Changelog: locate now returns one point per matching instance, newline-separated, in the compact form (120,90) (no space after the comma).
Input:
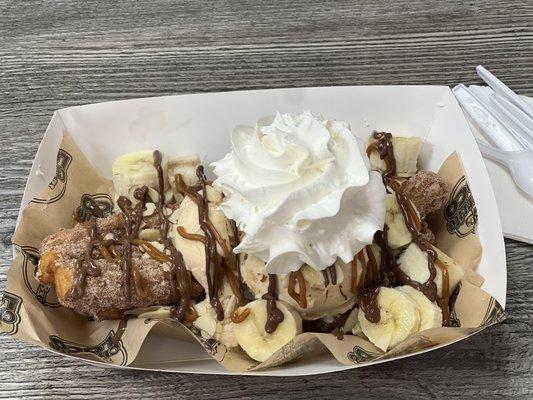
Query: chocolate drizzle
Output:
(301,296)
(414,225)
(274,314)
(85,266)
(180,279)
(369,304)
(216,266)
(443,300)
(368,285)
(211,255)
(120,249)
(330,275)
(133,221)
(338,324)
(390,272)
(383,145)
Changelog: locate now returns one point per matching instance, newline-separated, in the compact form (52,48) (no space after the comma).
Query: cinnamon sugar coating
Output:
(104,295)
(426,190)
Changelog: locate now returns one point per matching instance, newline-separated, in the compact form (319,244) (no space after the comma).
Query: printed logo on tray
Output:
(44,294)
(104,202)
(213,346)
(360,355)
(10,313)
(58,186)
(494,313)
(109,350)
(460,210)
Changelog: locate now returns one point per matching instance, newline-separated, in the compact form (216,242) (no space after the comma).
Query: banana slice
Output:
(253,338)
(400,317)
(414,262)
(406,151)
(430,312)
(186,167)
(455,272)
(193,251)
(133,170)
(398,235)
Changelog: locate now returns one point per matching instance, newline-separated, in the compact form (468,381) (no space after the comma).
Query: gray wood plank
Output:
(55,54)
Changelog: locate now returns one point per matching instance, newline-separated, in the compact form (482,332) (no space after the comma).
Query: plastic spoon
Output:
(519,163)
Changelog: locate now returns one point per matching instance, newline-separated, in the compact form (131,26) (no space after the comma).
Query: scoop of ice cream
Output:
(427,191)
(322,300)
(299,189)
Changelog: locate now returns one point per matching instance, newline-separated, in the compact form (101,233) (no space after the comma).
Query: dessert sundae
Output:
(302,230)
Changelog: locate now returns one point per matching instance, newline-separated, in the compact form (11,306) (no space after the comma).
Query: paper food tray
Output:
(201,123)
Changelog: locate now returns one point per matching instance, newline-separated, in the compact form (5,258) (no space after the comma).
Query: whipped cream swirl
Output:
(300,190)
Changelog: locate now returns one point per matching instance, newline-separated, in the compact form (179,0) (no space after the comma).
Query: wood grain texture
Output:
(55,54)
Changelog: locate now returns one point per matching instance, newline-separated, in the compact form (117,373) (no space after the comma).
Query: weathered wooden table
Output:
(58,54)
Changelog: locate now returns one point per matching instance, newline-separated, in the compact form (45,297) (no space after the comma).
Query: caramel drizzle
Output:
(274,314)
(189,236)
(190,314)
(142,289)
(300,297)
(151,250)
(237,317)
(233,281)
